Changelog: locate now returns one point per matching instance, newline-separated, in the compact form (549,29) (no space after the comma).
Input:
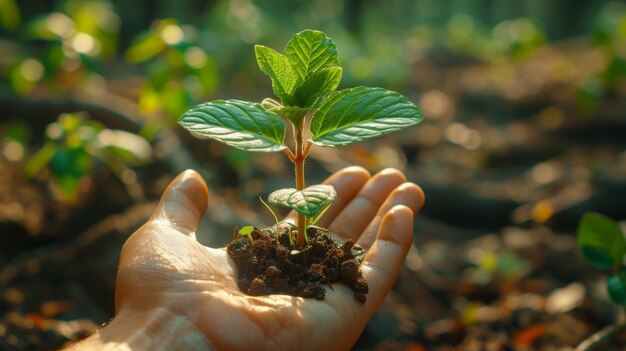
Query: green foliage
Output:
(352,115)
(74,142)
(306,72)
(9,15)
(240,124)
(307,202)
(304,78)
(601,241)
(179,70)
(73,40)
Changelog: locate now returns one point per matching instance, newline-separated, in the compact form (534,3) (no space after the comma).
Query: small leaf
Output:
(316,86)
(306,202)
(310,51)
(319,216)
(145,47)
(293,113)
(277,67)
(240,124)
(247,230)
(601,241)
(616,285)
(352,115)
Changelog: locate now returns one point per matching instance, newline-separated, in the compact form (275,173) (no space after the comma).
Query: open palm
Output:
(163,267)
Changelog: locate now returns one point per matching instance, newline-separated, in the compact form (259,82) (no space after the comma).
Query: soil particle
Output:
(268,263)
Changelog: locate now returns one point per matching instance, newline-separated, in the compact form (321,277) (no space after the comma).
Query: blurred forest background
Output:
(524,131)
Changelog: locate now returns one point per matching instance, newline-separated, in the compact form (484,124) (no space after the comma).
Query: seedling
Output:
(602,243)
(304,79)
(72,145)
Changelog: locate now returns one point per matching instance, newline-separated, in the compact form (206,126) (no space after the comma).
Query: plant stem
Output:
(595,341)
(299,161)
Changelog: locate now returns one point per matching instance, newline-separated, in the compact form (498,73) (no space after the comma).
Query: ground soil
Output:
(270,264)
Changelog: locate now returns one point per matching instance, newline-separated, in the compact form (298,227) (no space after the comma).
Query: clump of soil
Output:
(269,264)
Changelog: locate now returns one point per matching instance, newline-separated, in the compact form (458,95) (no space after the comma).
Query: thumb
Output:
(183,203)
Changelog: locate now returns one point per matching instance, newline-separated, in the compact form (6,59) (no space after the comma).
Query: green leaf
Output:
(316,86)
(240,124)
(601,241)
(40,159)
(293,113)
(277,67)
(247,230)
(306,202)
(616,285)
(319,216)
(145,47)
(352,115)
(127,146)
(310,51)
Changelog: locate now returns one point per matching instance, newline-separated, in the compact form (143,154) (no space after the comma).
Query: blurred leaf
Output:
(306,202)
(39,160)
(144,48)
(129,147)
(316,86)
(352,115)
(277,67)
(616,285)
(601,241)
(310,51)
(240,124)
(9,15)
(72,163)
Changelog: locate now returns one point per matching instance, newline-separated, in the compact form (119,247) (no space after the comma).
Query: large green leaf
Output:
(306,202)
(352,115)
(316,86)
(616,285)
(240,124)
(277,67)
(601,241)
(310,51)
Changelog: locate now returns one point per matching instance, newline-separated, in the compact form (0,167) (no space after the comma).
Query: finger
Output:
(347,183)
(384,259)
(183,203)
(408,194)
(353,219)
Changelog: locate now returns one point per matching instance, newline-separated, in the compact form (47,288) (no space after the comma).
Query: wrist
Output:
(158,329)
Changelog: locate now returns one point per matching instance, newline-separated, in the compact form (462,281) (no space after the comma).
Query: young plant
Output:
(304,79)
(72,145)
(602,243)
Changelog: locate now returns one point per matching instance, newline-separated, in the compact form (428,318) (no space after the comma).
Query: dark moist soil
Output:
(269,264)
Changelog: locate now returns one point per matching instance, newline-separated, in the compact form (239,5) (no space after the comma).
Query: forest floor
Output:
(508,160)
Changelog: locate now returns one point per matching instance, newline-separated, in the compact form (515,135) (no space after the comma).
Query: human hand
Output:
(172,292)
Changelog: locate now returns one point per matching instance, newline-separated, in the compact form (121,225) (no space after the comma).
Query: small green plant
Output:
(304,78)
(72,145)
(602,243)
